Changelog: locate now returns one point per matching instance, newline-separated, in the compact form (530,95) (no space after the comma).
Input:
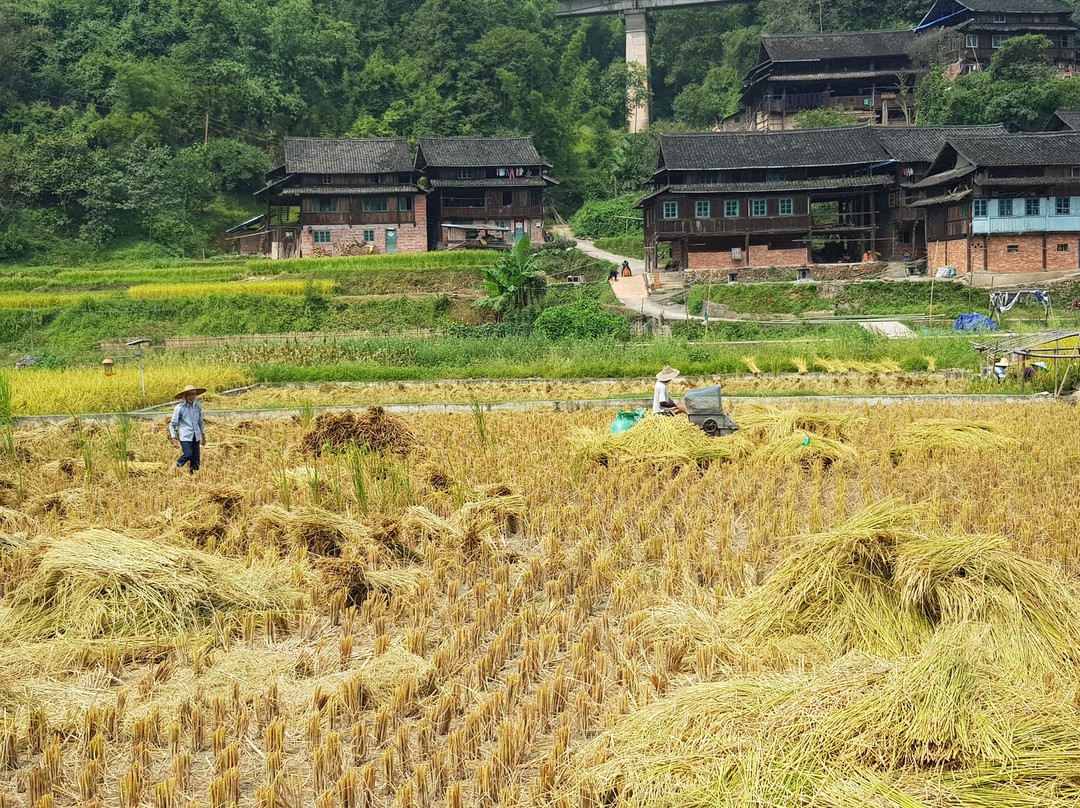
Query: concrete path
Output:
(888,328)
(656,306)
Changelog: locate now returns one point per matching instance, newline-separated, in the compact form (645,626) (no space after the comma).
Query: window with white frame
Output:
(320,236)
(731,208)
(785,207)
(671,210)
(999,16)
(1032,207)
(996,40)
(1005,207)
(971,41)
(702,209)
(464,173)
(758,207)
(1063,205)
(979,208)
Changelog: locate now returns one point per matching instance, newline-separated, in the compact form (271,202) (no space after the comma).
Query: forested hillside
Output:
(154,120)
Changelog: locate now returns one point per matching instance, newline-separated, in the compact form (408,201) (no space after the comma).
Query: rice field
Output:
(159,291)
(843,606)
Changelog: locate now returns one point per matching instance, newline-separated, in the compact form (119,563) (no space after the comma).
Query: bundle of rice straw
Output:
(767,420)
(375,428)
(61,503)
(99,583)
(320,532)
(805,449)
(930,435)
(940,729)
(838,587)
(357,580)
(659,439)
(381,674)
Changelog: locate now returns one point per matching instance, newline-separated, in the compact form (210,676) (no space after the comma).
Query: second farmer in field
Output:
(186,427)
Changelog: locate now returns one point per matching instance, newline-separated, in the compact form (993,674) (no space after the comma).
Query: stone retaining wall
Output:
(818,272)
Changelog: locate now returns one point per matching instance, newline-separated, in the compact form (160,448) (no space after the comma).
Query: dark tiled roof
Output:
(840,75)
(921,144)
(1017,6)
(1027,182)
(824,183)
(943,177)
(1065,119)
(475,152)
(838,146)
(339,190)
(493,182)
(316,155)
(852,45)
(939,200)
(1031,149)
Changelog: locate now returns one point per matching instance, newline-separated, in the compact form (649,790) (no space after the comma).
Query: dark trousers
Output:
(190,455)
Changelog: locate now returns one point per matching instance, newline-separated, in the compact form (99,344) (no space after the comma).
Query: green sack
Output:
(624,420)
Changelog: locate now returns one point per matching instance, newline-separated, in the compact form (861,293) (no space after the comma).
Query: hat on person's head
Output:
(667,374)
(189,389)
(1003,362)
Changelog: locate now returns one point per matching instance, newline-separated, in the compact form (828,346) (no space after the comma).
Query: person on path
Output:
(186,428)
(626,273)
(613,275)
(661,401)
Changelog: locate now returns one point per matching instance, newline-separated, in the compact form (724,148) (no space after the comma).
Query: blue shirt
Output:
(187,421)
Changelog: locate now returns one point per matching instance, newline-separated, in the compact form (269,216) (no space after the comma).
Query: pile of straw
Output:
(357,580)
(927,436)
(381,674)
(103,584)
(62,503)
(375,428)
(804,449)
(768,421)
(317,531)
(658,439)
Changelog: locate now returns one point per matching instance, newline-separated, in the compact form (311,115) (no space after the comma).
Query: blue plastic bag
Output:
(624,420)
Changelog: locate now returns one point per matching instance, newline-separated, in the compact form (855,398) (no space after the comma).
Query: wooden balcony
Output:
(359,218)
(669,228)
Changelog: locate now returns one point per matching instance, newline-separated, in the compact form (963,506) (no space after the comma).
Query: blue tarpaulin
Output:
(974,322)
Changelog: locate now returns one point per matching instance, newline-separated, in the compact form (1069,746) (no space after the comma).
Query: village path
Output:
(630,291)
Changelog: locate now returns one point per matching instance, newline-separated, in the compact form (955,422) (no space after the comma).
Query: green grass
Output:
(866,298)
(630,246)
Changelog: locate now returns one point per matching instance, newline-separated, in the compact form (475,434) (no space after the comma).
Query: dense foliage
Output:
(147,122)
(585,319)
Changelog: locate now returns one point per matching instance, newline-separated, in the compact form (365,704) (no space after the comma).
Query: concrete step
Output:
(671,280)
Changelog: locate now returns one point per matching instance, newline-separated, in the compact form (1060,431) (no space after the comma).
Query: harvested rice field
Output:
(837,606)
(463,392)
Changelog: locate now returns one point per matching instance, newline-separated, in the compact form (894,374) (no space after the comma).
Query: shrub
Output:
(585,319)
(606,218)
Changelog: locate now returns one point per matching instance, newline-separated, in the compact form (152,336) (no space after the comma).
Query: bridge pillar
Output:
(637,52)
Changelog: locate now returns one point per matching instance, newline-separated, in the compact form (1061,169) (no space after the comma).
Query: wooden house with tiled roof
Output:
(983,25)
(1008,203)
(726,201)
(1064,120)
(483,190)
(344,196)
(867,72)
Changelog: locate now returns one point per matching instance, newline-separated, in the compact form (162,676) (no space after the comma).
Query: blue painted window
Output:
(323,205)
(376,204)
(1032,207)
(1063,206)
(369,236)
(320,236)
(979,208)
(758,207)
(731,208)
(1005,207)
(786,207)
(702,209)
(671,210)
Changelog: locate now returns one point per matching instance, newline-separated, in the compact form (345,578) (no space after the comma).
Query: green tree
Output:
(513,281)
(825,117)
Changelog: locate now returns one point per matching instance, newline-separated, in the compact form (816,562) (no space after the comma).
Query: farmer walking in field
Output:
(186,427)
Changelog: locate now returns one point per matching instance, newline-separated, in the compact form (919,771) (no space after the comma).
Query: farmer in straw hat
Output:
(661,400)
(186,427)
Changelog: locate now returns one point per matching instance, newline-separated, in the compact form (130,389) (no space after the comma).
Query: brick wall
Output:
(1057,260)
(818,272)
(348,239)
(952,253)
(712,260)
(762,256)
